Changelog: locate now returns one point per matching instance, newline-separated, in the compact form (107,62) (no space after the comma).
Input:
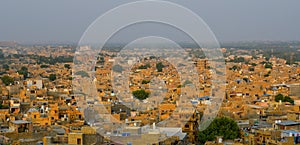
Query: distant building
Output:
(37,83)
(295,90)
(20,126)
(287,125)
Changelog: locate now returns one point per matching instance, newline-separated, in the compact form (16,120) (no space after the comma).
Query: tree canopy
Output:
(23,71)
(269,65)
(159,66)
(52,77)
(44,66)
(145,81)
(144,66)
(5,66)
(140,94)
(223,126)
(251,69)
(283,98)
(51,60)
(7,80)
(238,59)
(4,106)
(67,66)
(234,68)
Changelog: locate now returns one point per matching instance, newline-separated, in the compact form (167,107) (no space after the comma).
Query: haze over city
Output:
(150,72)
(232,20)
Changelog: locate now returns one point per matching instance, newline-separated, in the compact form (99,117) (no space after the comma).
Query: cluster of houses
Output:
(38,109)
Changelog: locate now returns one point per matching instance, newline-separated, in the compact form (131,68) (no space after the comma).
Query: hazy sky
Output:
(230,20)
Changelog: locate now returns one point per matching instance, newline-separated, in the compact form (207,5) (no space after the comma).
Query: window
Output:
(186,126)
(78,141)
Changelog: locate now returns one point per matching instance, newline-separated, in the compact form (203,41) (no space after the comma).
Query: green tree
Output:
(239,59)
(1,54)
(7,80)
(23,71)
(159,66)
(283,98)
(4,106)
(234,68)
(253,64)
(52,77)
(145,81)
(67,66)
(269,65)
(144,66)
(288,99)
(223,126)
(44,66)
(140,94)
(279,97)
(251,69)
(268,74)
(5,66)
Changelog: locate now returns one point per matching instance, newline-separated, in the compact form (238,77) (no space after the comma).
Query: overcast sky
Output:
(230,20)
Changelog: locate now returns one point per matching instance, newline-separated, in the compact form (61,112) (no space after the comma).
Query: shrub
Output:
(140,94)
